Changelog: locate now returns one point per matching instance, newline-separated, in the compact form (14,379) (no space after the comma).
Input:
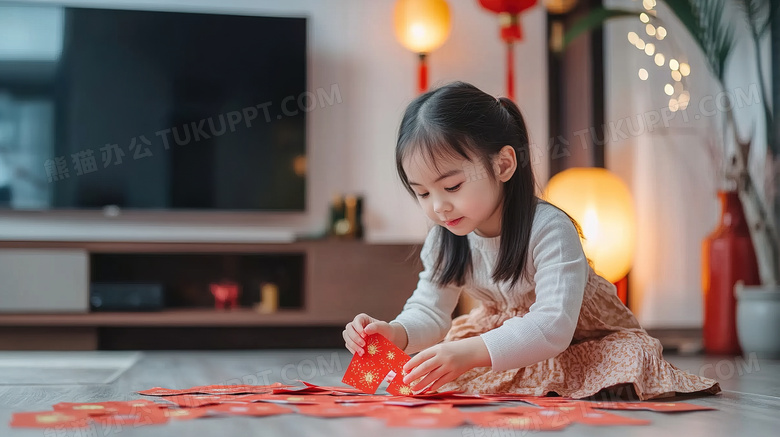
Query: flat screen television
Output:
(151,110)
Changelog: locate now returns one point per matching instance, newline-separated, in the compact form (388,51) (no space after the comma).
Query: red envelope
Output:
(289,399)
(139,417)
(263,389)
(194,401)
(365,374)
(533,422)
(301,391)
(361,399)
(664,407)
(518,410)
(50,419)
(439,395)
(466,401)
(223,389)
(160,391)
(256,410)
(569,409)
(419,407)
(110,407)
(186,413)
(397,386)
(90,409)
(139,403)
(435,409)
(213,389)
(541,401)
(403,401)
(380,358)
(333,389)
(440,416)
(579,413)
(338,410)
(594,417)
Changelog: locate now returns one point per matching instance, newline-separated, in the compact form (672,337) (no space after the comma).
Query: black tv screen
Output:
(151,110)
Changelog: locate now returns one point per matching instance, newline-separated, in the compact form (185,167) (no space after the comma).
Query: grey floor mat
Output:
(52,368)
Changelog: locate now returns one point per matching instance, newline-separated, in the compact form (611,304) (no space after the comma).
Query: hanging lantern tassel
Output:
(509,23)
(510,32)
(422,83)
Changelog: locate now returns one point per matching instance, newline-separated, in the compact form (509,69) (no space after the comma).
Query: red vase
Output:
(727,257)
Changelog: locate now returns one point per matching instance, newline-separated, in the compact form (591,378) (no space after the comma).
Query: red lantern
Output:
(509,21)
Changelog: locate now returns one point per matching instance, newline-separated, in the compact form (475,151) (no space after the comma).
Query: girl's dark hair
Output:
(460,121)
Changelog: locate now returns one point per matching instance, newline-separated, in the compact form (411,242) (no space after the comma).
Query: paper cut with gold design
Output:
(381,357)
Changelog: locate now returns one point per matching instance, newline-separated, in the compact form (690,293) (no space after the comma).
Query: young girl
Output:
(547,322)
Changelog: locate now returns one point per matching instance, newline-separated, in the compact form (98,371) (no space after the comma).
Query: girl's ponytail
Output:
(516,118)
(519,201)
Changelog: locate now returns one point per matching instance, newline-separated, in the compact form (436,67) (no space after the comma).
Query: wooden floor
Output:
(748,406)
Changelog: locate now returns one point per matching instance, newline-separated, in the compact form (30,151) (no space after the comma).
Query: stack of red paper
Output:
(382,361)
(432,410)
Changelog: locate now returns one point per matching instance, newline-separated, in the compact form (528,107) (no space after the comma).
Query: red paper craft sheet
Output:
(663,407)
(398,387)
(250,410)
(580,412)
(400,409)
(344,390)
(50,419)
(602,418)
(426,417)
(214,389)
(186,413)
(529,422)
(193,401)
(429,416)
(339,410)
(381,357)
(289,399)
(103,408)
(361,399)
(138,418)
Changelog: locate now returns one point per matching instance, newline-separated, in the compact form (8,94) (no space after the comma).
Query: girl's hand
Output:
(444,362)
(363,325)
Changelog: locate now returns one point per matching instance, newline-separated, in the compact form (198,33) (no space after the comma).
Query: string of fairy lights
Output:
(679,97)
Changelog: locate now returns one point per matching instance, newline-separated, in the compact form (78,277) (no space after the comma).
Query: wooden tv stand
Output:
(340,278)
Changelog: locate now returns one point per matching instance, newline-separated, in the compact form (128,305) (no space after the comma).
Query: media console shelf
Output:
(323,284)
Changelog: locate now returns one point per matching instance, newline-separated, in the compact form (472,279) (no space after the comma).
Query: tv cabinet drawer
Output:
(44,280)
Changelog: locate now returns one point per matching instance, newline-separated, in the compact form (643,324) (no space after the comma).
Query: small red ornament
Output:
(225,294)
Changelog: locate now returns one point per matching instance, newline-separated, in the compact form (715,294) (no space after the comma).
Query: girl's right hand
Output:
(362,326)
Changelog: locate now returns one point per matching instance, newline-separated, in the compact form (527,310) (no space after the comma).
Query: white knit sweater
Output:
(559,269)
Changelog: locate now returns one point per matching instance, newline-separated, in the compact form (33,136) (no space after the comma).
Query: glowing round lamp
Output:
(601,203)
(422,26)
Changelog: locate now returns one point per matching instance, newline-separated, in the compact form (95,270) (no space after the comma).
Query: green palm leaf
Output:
(595,18)
(708,23)
(759,14)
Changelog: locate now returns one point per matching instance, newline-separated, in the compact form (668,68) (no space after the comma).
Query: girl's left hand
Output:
(444,362)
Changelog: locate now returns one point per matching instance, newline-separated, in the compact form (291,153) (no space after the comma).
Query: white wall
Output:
(670,166)
(350,145)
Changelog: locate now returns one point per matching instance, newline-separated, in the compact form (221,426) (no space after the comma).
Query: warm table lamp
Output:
(422,26)
(601,203)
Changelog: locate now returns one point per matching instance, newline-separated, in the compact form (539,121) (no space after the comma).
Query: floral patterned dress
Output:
(610,355)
